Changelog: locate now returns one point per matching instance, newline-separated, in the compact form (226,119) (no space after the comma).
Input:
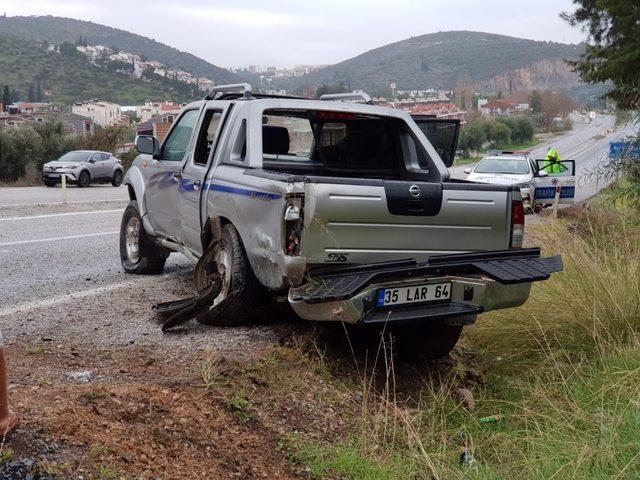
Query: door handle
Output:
(177,176)
(196,185)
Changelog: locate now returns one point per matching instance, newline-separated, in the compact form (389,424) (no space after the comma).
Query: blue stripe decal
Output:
(243,191)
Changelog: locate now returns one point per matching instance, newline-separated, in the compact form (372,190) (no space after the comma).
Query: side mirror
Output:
(467,171)
(542,173)
(148,145)
(92,160)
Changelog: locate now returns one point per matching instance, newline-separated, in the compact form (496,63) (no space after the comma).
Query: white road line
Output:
(72,202)
(55,239)
(60,299)
(69,214)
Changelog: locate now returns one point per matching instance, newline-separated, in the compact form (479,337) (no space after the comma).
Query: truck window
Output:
(176,145)
(336,143)
(207,136)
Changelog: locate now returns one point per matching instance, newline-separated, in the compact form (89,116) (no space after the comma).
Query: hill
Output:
(70,77)
(441,60)
(60,29)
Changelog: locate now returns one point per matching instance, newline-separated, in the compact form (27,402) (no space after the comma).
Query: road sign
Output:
(624,149)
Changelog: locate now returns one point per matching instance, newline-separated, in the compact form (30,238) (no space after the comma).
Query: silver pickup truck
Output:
(347,208)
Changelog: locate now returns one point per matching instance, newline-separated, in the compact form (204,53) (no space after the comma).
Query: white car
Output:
(504,169)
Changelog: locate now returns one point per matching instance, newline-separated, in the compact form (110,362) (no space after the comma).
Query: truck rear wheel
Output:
(430,341)
(239,290)
(138,253)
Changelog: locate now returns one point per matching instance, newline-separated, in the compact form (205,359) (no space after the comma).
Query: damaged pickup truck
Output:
(347,208)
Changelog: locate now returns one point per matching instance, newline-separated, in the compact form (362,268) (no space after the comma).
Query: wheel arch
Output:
(136,188)
(268,273)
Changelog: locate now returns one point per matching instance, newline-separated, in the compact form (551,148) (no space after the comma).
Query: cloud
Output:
(236,16)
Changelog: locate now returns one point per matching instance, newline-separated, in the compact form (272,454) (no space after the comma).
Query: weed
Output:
(36,349)
(6,454)
(239,406)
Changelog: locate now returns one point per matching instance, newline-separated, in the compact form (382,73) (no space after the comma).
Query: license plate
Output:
(433,292)
(51,174)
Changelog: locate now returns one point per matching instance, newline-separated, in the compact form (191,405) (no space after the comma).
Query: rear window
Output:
(337,143)
(513,166)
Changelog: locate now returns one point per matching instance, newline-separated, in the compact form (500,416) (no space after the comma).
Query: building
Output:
(104,114)
(76,124)
(33,107)
(497,108)
(439,109)
(153,108)
(158,126)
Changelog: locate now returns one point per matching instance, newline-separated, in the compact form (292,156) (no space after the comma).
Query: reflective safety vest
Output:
(551,165)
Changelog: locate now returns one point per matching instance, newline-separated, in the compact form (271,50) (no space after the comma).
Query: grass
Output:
(562,372)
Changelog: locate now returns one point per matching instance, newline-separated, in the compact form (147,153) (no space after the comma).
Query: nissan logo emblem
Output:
(414,191)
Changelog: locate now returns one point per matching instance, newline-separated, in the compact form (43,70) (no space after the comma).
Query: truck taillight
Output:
(517,224)
(293,218)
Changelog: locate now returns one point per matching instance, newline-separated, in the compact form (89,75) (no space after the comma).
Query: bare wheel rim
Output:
(132,239)
(224,265)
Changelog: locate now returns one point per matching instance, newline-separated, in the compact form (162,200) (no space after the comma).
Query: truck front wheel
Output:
(239,291)
(138,254)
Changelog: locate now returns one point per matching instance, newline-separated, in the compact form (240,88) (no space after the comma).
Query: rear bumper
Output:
(480,282)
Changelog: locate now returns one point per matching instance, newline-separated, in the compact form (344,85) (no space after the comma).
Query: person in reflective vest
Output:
(551,164)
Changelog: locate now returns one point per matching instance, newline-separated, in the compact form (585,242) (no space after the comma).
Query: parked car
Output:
(83,167)
(346,208)
(508,169)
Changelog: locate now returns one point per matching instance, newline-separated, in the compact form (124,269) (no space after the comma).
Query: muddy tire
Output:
(84,179)
(138,253)
(239,291)
(430,341)
(116,181)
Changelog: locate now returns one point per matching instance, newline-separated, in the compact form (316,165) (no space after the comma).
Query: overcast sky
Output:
(289,32)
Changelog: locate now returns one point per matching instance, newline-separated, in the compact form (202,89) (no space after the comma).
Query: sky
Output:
(284,33)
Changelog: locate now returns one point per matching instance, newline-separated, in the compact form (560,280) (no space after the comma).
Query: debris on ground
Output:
(466,397)
(81,377)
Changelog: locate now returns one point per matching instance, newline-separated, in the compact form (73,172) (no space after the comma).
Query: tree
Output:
(535,102)
(612,53)
(499,134)
(471,138)
(31,96)
(38,92)
(6,97)
(522,130)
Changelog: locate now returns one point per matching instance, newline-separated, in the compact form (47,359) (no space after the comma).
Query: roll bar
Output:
(244,88)
(345,97)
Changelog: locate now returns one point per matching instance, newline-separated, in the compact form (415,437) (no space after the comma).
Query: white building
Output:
(104,114)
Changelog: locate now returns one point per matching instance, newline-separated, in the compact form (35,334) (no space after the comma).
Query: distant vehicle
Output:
(507,169)
(84,167)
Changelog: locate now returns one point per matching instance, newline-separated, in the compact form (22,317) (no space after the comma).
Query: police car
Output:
(507,168)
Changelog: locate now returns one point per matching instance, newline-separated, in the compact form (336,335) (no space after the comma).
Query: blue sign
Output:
(546,193)
(619,149)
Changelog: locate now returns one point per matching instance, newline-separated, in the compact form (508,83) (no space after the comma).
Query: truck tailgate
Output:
(370,221)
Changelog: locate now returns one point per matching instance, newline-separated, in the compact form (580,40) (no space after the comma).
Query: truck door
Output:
(442,133)
(194,173)
(558,174)
(165,174)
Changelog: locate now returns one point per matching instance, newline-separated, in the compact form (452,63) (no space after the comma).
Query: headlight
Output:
(71,167)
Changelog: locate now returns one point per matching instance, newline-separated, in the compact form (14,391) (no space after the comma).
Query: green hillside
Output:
(439,60)
(71,78)
(59,29)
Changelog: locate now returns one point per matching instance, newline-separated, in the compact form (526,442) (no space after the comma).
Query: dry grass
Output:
(563,378)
